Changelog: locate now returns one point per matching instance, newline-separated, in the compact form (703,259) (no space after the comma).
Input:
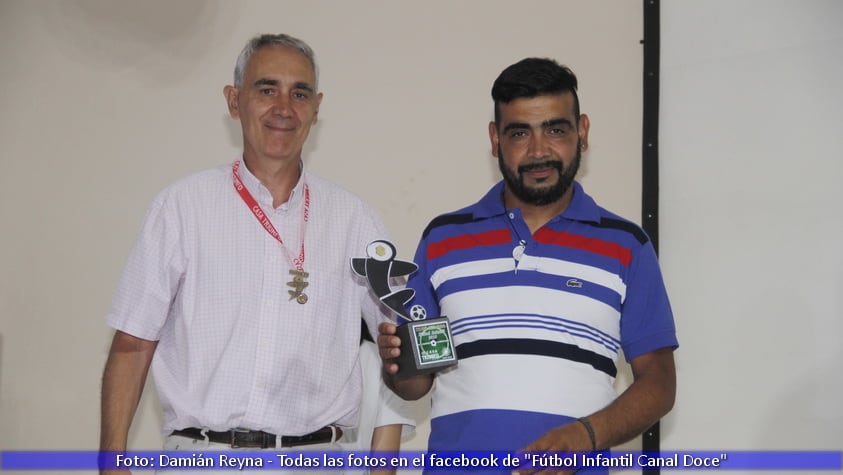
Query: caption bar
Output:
(505,461)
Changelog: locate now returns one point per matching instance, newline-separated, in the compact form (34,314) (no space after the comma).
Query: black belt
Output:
(260,439)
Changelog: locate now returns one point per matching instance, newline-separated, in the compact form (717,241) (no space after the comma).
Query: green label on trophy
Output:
(426,346)
(433,342)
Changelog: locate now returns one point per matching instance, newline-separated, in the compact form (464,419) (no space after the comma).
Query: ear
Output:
(231,94)
(318,103)
(494,138)
(585,123)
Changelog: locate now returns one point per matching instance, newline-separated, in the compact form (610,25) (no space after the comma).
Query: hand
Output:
(570,438)
(406,387)
(389,346)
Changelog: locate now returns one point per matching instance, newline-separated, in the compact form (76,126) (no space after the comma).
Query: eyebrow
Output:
(545,124)
(558,121)
(276,83)
(303,85)
(516,125)
(266,82)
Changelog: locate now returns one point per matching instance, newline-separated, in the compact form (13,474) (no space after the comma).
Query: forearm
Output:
(647,399)
(122,384)
(386,439)
(409,388)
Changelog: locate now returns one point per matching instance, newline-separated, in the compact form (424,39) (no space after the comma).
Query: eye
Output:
(266,91)
(518,133)
(556,131)
(302,95)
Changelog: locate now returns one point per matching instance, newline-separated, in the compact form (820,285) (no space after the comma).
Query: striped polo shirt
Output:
(537,337)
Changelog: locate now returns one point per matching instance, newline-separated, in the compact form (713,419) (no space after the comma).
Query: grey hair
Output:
(265,40)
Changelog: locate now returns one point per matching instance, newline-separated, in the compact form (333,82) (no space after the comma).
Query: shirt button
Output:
(511,215)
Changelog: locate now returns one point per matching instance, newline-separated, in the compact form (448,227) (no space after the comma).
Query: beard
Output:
(545,195)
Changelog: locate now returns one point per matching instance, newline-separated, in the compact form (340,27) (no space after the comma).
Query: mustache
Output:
(538,165)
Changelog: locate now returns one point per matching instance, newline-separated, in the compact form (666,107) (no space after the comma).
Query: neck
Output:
(279,177)
(537,216)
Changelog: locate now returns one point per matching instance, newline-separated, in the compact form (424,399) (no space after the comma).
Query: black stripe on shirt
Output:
(522,346)
(627,226)
(447,219)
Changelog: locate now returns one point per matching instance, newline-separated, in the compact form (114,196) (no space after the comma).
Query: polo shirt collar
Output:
(582,207)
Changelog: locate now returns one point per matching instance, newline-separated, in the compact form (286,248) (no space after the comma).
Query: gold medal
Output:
(299,283)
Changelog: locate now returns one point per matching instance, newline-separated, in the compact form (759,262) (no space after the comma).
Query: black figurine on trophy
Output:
(426,343)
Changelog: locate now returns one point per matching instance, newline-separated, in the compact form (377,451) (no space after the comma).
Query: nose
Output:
(281,106)
(538,147)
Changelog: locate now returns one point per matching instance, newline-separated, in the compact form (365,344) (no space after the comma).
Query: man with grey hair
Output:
(238,292)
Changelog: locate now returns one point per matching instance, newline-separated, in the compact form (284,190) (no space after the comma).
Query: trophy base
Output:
(426,346)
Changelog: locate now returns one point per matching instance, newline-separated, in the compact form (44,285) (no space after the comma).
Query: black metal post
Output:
(650,164)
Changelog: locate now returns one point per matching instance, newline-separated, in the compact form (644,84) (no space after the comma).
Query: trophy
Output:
(426,343)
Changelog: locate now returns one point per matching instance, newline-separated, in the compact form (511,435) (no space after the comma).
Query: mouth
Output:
(540,171)
(280,126)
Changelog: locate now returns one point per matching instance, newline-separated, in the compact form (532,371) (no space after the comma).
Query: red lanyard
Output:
(256,209)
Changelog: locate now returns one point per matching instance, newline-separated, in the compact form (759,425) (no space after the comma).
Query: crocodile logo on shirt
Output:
(574,283)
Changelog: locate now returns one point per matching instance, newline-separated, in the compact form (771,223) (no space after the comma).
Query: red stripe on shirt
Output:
(465,241)
(596,246)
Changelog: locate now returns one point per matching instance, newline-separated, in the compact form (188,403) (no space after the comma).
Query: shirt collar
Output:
(582,207)
(262,194)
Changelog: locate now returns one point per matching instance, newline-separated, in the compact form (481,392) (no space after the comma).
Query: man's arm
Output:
(122,384)
(409,388)
(648,398)
(645,401)
(386,439)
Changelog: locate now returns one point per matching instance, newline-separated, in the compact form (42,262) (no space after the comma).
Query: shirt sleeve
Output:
(646,317)
(392,409)
(152,275)
(420,282)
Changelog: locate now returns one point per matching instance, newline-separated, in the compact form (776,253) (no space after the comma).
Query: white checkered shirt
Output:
(210,284)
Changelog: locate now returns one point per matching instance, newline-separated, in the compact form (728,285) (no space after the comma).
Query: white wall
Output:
(106,101)
(751,226)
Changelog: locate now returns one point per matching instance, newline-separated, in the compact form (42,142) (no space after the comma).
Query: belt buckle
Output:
(234,432)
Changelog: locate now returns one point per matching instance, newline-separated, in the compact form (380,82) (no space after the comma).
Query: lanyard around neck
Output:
(263,219)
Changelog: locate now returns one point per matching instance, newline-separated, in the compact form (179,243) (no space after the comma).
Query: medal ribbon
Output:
(255,208)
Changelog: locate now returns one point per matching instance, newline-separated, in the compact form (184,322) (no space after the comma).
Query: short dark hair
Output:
(533,77)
